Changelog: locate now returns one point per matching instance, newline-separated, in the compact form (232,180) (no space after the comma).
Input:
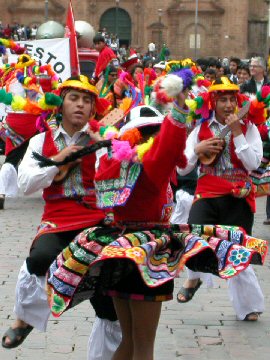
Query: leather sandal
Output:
(253,316)
(2,201)
(16,336)
(188,293)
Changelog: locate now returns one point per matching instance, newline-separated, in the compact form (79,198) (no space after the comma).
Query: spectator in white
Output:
(114,45)
(104,32)
(33,32)
(20,32)
(151,49)
(160,68)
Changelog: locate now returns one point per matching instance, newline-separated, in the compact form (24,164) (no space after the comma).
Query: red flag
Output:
(73,48)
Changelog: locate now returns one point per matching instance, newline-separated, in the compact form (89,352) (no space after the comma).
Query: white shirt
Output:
(151,47)
(248,148)
(259,84)
(31,177)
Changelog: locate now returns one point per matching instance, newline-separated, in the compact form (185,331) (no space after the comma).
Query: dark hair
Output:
(147,62)
(203,63)
(98,38)
(212,61)
(226,70)
(210,71)
(235,60)
(219,65)
(244,66)
(136,67)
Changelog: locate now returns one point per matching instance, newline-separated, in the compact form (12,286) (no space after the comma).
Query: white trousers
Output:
(182,207)
(104,339)
(244,291)
(31,304)
(8,180)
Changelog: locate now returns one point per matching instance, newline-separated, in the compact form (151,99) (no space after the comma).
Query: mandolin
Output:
(111,119)
(210,159)
(65,169)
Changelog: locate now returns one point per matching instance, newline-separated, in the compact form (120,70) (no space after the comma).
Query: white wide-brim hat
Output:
(142,116)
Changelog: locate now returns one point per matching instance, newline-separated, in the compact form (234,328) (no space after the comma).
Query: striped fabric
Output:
(103,256)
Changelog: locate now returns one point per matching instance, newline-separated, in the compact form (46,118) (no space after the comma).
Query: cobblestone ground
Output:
(205,328)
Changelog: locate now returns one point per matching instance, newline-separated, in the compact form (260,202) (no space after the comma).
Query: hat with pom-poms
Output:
(172,84)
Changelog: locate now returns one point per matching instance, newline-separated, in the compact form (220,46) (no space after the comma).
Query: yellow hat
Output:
(223,84)
(24,60)
(80,83)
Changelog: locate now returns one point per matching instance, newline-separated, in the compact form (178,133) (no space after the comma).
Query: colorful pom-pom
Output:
(52,99)
(143,148)
(133,136)
(18,103)
(191,104)
(122,150)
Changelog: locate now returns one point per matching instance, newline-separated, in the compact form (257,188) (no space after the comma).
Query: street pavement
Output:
(205,328)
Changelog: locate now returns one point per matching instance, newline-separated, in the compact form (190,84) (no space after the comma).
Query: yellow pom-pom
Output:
(126,103)
(5,42)
(199,77)
(18,103)
(42,104)
(27,80)
(55,85)
(143,148)
(187,62)
(189,118)
(191,104)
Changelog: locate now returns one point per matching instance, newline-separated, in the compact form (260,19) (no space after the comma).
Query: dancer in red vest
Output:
(225,193)
(70,202)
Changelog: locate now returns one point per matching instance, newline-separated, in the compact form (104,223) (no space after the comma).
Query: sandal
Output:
(188,293)
(253,316)
(16,336)
(2,201)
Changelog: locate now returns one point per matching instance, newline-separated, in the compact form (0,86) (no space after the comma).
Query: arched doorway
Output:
(117,21)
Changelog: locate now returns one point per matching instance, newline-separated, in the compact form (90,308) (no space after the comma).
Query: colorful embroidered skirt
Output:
(100,257)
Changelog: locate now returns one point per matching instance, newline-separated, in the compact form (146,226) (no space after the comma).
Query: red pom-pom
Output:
(265,91)
(256,113)
(263,130)
(94,125)
(102,106)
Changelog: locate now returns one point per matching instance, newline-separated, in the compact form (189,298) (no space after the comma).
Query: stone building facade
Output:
(219,27)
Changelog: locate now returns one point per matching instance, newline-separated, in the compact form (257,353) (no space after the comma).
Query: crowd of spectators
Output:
(18,32)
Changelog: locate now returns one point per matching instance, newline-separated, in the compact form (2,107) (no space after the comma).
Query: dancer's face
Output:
(77,109)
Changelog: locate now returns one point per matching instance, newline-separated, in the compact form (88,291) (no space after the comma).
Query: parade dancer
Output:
(70,206)
(225,193)
(136,258)
(26,82)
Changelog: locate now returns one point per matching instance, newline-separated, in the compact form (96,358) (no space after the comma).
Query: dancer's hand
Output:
(66,152)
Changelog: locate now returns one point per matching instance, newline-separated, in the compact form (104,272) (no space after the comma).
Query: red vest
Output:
(216,182)
(71,204)
(206,133)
